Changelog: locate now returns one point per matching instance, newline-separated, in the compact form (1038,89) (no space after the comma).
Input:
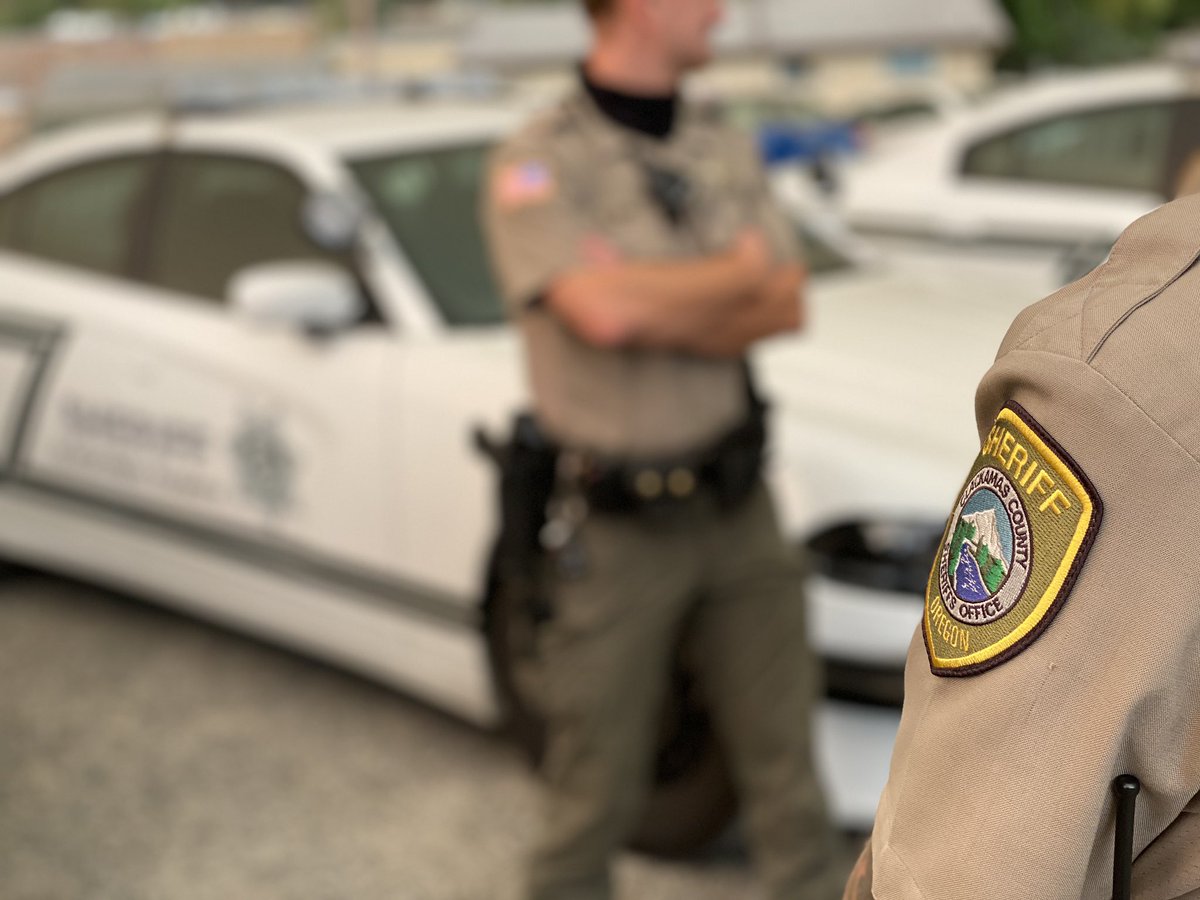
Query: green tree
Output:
(964,531)
(1134,15)
(1183,14)
(24,13)
(27,13)
(1090,32)
(991,569)
(994,576)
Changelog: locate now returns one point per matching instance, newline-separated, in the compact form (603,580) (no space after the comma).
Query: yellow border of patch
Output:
(1060,462)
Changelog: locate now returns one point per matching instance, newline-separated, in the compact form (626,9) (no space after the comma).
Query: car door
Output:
(470,375)
(1068,179)
(163,407)
(61,231)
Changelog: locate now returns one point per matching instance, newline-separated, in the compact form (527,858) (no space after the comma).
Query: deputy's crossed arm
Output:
(712,306)
(546,248)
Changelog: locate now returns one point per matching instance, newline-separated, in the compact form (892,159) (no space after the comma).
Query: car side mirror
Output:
(332,221)
(315,297)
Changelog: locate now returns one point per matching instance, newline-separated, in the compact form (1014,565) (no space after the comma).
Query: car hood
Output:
(883,187)
(874,401)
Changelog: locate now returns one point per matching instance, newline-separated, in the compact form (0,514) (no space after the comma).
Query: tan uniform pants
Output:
(606,656)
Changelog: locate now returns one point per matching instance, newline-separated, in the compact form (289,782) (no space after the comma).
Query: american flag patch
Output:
(523,183)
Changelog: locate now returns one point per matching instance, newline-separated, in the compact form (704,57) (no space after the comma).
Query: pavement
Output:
(147,756)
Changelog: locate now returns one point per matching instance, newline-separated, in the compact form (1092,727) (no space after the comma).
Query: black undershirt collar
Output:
(650,115)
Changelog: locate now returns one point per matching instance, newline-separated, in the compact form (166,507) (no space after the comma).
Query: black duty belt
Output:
(728,469)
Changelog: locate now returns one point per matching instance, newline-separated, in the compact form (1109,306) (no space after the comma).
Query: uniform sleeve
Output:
(534,233)
(1000,778)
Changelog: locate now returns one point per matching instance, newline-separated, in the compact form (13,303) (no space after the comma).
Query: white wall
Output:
(843,83)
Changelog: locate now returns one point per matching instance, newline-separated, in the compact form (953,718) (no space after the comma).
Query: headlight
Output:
(867,580)
(885,555)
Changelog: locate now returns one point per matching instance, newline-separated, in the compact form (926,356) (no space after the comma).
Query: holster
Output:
(527,473)
(736,461)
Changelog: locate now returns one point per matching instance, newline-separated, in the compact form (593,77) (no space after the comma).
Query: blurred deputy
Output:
(1061,640)
(641,255)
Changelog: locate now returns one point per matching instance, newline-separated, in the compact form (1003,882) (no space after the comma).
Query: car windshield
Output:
(821,255)
(430,202)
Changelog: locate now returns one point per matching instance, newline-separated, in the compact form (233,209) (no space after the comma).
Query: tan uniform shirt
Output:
(570,190)
(999,785)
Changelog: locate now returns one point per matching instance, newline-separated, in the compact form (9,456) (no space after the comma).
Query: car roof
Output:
(1058,93)
(344,131)
(350,130)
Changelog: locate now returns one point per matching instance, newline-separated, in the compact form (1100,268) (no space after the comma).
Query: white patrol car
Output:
(242,358)
(1060,160)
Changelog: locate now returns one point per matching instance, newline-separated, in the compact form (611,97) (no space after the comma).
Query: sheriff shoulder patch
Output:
(1013,546)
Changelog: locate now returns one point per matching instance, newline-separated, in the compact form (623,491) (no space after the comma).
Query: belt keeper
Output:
(649,484)
(681,483)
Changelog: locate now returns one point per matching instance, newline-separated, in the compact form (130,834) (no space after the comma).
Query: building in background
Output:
(413,41)
(12,116)
(84,63)
(838,57)
(843,56)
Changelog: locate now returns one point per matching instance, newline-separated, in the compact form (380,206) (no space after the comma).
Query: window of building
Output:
(910,62)
(798,67)
(1123,148)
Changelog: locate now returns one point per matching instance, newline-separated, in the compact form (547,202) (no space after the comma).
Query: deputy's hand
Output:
(751,252)
(784,290)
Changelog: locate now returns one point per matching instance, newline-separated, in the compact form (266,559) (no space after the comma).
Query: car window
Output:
(83,216)
(1183,166)
(217,215)
(822,256)
(430,202)
(8,206)
(904,111)
(1122,148)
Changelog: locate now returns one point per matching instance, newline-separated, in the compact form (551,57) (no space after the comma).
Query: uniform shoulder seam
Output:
(1172,247)
(1094,276)
(907,871)
(1098,276)
(1116,387)
(1029,338)
(1134,307)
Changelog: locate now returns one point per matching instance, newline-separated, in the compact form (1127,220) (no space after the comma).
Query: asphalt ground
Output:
(147,755)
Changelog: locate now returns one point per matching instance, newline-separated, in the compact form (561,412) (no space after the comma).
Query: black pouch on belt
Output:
(736,462)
